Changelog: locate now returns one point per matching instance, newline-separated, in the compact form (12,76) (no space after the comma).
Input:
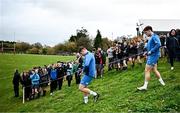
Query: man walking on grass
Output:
(152,58)
(89,70)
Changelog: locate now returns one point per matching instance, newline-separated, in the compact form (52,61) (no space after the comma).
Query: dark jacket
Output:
(172,43)
(104,57)
(16,79)
(26,81)
(162,39)
(99,58)
(133,50)
(80,63)
(60,72)
(120,55)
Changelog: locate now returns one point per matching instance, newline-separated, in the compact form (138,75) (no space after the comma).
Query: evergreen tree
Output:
(98,40)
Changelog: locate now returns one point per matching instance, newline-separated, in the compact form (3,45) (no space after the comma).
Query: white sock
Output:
(161,81)
(93,93)
(145,84)
(85,99)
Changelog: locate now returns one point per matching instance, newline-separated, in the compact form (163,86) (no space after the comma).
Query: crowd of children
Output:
(36,80)
(126,51)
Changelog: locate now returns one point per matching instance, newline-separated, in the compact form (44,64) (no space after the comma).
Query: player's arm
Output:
(86,64)
(157,45)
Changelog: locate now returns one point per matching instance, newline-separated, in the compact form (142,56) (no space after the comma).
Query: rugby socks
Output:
(161,81)
(92,93)
(145,84)
(144,87)
(85,99)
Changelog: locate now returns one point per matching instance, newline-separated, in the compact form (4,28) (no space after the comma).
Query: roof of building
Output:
(160,24)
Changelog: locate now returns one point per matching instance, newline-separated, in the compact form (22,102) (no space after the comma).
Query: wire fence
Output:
(49,81)
(117,61)
(46,82)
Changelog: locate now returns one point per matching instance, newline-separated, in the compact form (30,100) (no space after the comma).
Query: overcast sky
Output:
(54,21)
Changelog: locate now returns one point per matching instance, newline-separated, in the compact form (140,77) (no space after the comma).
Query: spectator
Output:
(60,75)
(26,83)
(78,75)
(99,62)
(53,78)
(125,50)
(94,51)
(110,57)
(178,50)
(79,69)
(80,61)
(115,56)
(35,82)
(140,47)
(120,58)
(132,53)
(16,80)
(162,49)
(172,45)
(43,80)
(103,60)
(69,74)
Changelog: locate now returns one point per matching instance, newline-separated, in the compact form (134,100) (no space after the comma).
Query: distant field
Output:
(117,89)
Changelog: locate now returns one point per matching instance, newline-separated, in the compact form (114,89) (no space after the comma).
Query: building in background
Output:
(160,26)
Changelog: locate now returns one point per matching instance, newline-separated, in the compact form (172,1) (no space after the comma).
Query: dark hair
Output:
(81,48)
(148,28)
(16,71)
(178,31)
(171,32)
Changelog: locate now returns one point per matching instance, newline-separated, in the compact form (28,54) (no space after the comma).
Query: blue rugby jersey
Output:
(153,45)
(89,65)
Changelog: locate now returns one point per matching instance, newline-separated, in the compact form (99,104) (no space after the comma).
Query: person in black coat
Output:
(26,81)
(16,80)
(120,58)
(115,57)
(172,46)
(132,52)
(125,50)
(80,68)
(162,49)
(100,62)
(178,37)
(60,75)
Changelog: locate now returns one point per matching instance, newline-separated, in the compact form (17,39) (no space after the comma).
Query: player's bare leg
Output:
(158,75)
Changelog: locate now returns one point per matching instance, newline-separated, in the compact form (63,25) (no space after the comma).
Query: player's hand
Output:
(149,53)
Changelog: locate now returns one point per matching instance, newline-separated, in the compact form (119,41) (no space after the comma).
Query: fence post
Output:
(23,94)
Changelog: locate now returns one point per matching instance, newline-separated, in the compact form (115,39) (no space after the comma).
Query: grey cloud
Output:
(53,21)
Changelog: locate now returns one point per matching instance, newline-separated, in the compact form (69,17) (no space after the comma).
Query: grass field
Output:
(117,89)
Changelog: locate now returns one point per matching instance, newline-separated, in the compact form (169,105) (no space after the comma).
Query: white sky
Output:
(161,25)
(54,21)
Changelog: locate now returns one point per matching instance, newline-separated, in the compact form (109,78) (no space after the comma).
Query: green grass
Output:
(8,63)
(117,89)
